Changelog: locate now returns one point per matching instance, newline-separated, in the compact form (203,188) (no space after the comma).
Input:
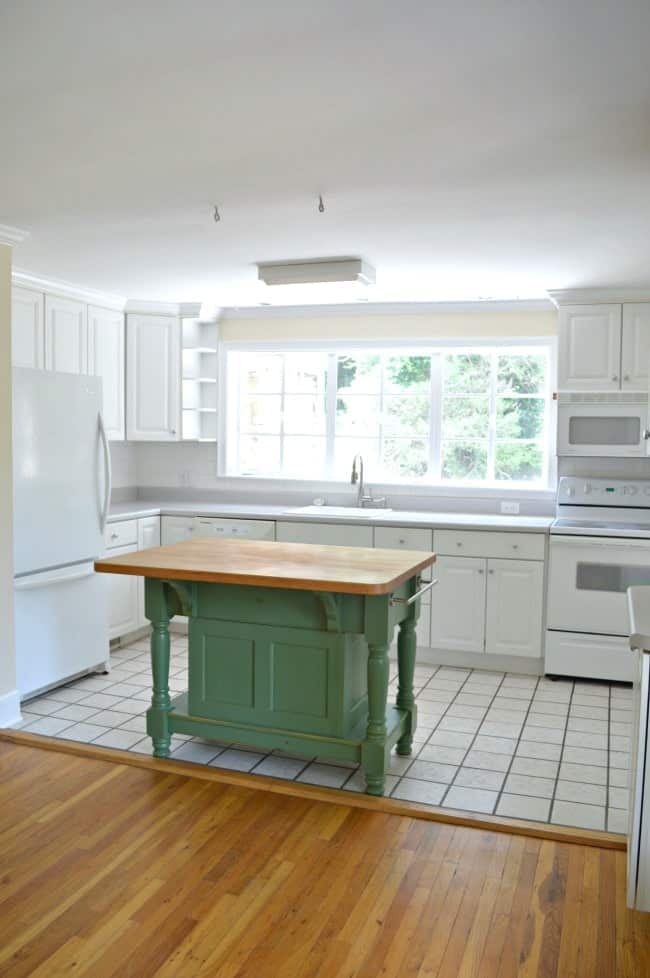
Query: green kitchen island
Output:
(288,646)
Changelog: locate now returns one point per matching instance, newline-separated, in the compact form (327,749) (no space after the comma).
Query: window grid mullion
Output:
(283,382)
(492,418)
(435,418)
(330,412)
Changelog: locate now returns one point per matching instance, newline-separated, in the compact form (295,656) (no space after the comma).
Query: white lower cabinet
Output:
(458,604)
(148,536)
(126,592)
(215,528)
(123,598)
(333,534)
(513,619)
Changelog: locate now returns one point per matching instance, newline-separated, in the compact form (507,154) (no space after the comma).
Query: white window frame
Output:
(228,398)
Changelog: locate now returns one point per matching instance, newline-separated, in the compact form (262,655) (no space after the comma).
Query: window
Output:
(476,415)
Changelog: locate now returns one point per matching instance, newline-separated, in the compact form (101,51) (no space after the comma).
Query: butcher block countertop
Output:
(265,563)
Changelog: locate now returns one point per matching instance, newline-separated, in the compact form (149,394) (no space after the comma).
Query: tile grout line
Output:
(514,753)
(438,722)
(561,758)
(473,741)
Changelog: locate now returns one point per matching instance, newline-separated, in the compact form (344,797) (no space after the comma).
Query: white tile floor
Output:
(488,742)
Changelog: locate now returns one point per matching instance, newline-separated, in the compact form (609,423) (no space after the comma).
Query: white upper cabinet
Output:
(27,339)
(153,378)
(590,348)
(635,358)
(106,360)
(513,624)
(66,335)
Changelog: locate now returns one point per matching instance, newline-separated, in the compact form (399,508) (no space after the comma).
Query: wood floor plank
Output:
(110,870)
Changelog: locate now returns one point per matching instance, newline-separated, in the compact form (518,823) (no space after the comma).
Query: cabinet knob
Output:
(491,571)
(626,377)
(615,377)
(172,431)
(481,571)
(458,543)
(113,536)
(402,540)
(515,546)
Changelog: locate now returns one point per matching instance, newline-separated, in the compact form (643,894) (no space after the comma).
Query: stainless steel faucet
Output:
(356,479)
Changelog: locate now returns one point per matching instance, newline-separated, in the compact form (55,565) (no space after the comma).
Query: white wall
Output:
(9,702)
(124,465)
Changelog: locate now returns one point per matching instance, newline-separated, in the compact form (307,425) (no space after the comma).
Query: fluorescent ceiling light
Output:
(316,272)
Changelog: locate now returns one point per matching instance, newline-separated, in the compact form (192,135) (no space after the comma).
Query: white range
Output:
(600,546)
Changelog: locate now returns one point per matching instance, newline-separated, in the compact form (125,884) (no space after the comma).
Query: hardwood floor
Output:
(115,871)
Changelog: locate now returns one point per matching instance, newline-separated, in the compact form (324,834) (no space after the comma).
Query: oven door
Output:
(588,580)
(603,429)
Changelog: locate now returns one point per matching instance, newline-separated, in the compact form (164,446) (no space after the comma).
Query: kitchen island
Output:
(288,646)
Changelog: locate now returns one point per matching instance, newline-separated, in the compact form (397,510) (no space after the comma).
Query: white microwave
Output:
(603,425)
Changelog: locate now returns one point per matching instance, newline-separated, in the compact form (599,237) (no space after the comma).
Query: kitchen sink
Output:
(351,512)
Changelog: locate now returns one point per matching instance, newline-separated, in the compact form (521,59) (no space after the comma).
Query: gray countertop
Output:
(638,602)
(139,508)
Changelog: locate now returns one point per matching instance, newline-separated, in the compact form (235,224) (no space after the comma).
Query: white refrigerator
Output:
(62,486)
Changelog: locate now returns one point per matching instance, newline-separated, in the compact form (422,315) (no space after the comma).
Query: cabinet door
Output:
(635,356)
(590,348)
(458,604)
(106,360)
(66,335)
(514,607)
(123,598)
(333,534)
(148,536)
(153,378)
(27,334)
(174,529)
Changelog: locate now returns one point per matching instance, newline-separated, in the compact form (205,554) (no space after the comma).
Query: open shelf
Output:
(199,380)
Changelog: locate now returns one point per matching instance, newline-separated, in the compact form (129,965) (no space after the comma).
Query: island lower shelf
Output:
(273,738)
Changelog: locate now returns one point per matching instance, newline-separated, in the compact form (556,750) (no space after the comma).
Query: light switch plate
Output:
(509,507)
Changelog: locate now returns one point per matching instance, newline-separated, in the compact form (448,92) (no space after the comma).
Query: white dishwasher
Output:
(218,528)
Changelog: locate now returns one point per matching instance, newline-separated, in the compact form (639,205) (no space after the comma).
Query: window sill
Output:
(323,487)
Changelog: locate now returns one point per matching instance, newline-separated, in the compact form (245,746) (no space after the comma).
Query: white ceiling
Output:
(480,148)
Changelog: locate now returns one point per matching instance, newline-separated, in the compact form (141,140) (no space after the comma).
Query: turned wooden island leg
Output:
(158,714)
(374,748)
(406,648)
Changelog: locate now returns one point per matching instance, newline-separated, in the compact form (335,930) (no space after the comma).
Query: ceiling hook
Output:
(216,215)
(321,205)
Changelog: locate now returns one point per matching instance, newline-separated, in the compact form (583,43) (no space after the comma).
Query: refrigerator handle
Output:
(108,481)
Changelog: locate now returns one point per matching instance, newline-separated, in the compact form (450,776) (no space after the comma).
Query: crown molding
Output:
(386,309)
(184,310)
(579,297)
(12,236)
(92,297)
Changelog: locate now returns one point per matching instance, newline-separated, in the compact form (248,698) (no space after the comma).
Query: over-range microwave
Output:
(605,425)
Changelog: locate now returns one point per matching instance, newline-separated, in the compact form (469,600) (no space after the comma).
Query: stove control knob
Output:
(570,491)
(586,488)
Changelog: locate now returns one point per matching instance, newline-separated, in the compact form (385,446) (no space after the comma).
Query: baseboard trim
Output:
(481,660)
(10,708)
(388,806)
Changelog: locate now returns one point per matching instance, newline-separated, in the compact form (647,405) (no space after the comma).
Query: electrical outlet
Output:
(509,507)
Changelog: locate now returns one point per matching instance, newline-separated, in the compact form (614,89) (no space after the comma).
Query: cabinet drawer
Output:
(481,543)
(121,534)
(405,538)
